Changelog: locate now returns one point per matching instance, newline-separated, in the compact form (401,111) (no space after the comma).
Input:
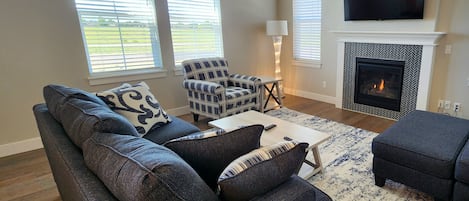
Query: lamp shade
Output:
(277,28)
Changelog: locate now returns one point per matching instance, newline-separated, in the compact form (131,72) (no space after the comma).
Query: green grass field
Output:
(107,40)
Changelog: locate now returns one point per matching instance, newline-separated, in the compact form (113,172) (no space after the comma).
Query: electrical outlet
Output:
(323,84)
(448,49)
(447,105)
(457,107)
(440,103)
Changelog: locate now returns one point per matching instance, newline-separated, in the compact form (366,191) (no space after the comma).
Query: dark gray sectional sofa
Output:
(96,154)
(427,151)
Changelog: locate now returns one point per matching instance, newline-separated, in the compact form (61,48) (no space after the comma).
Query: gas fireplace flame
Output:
(381,85)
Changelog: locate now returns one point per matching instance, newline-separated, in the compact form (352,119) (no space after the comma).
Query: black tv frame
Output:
(383,9)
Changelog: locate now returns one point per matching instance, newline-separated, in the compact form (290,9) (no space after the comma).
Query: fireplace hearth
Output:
(378,83)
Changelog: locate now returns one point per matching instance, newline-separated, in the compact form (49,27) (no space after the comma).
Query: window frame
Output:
(219,31)
(124,75)
(305,62)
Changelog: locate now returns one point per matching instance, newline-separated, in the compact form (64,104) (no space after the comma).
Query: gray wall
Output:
(41,44)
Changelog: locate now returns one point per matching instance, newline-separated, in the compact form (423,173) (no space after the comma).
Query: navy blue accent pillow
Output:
(210,153)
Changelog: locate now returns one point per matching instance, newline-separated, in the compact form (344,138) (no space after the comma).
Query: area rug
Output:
(347,161)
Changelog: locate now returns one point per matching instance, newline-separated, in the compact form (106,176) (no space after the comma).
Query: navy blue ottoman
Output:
(420,151)
(461,174)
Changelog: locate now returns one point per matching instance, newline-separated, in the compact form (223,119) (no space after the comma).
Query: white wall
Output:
(41,44)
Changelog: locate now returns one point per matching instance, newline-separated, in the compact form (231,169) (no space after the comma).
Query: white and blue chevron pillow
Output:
(137,104)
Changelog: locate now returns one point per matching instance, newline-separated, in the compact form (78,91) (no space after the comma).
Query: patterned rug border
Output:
(347,160)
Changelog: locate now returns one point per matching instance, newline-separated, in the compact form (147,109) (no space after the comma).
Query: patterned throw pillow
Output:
(261,170)
(137,104)
(210,152)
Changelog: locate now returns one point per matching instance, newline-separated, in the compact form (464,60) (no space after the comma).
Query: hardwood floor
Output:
(27,176)
(320,109)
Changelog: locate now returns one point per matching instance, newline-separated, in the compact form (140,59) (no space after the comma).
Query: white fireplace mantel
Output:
(428,40)
(406,38)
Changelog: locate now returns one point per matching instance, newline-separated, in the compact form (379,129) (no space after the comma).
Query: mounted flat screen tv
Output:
(383,9)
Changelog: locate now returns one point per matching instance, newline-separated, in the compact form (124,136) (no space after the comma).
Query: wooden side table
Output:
(274,84)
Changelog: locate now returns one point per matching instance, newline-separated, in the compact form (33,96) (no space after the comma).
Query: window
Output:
(195,29)
(307,32)
(119,35)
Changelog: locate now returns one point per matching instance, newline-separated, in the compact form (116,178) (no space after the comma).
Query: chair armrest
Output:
(245,81)
(203,86)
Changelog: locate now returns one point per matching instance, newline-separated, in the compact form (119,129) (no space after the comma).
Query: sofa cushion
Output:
(135,169)
(55,97)
(175,129)
(461,172)
(261,170)
(81,118)
(423,141)
(295,188)
(138,105)
(210,153)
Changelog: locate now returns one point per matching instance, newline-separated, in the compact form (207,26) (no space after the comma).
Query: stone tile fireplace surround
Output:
(417,49)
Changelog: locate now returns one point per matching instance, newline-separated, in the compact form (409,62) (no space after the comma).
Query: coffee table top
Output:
(276,134)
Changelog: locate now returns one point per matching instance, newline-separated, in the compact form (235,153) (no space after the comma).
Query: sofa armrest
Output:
(245,81)
(74,180)
(203,86)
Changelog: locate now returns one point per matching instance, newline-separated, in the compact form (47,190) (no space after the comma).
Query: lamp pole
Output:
(277,29)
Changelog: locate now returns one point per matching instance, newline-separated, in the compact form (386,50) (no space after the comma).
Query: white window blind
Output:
(119,35)
(195,29)
(307,31)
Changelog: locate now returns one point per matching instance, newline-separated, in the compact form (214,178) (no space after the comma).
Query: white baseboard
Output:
(20,146)
(314,96)
(179,111)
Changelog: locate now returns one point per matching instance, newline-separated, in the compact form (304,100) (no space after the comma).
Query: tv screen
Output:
(383,9)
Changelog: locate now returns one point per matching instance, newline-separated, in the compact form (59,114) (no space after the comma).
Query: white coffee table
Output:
(278,133)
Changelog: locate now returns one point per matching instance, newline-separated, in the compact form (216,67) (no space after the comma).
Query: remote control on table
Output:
(287,138)
(269,127)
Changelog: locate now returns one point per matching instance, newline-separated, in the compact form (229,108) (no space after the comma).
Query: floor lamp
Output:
(277,29)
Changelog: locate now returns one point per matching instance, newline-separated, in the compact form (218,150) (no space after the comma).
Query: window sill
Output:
(307,64)
(125,76)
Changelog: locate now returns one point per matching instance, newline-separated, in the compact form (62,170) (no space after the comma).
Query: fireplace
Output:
(415,49)
(378,82)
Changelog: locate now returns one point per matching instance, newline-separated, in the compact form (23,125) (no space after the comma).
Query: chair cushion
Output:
(210,69)
(138,105)
(423,141)
(81,118)
(55,97)
(462,165)
(237,96)
(175,129)
(209,153)
(134,168)
(261,170)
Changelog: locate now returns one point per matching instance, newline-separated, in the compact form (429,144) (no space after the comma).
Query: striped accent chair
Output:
(214,93)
